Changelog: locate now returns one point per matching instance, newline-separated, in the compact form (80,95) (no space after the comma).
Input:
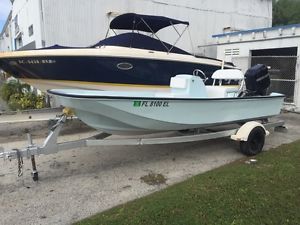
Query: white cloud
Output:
(5,7)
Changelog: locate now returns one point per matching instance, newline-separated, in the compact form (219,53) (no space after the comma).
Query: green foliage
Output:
(13,87)
(19,96)
(286,12)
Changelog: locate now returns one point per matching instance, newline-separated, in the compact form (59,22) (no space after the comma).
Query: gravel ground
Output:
(78,183)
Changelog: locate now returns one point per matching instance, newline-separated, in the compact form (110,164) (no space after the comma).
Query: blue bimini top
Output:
(146,23)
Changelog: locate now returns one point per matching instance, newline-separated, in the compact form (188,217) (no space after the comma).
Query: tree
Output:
(286,12)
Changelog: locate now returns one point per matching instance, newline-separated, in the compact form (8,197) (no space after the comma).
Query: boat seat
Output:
(184,85)
(188,85)
(225,91)
(228,74)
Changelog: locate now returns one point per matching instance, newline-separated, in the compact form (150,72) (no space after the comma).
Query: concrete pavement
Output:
(78,183)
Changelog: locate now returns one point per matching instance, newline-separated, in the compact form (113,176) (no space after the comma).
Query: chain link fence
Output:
(282,72)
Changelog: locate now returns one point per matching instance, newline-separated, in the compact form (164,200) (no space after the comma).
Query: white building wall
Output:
(82,23)
(85,22)
(5,39)
(27,13)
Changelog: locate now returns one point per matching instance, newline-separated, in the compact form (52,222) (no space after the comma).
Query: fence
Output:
(282,71)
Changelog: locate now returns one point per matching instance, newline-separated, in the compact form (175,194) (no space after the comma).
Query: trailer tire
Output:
(255,142)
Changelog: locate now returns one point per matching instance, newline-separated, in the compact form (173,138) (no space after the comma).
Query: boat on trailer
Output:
(136,59)
(189,104)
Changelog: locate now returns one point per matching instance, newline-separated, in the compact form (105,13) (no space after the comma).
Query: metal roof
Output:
(256,30)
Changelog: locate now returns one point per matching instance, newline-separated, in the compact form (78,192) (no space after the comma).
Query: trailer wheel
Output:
(255,142)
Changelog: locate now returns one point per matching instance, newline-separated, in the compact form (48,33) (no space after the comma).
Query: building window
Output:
(19,42)
(30,30)
(17,29)
(6,32)
(232,52)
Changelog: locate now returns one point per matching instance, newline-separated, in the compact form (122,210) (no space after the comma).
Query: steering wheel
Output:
(201,74)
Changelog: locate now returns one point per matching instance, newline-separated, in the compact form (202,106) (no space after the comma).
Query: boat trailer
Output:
(251,136)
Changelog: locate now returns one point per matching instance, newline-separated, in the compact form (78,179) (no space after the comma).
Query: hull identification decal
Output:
(150,104)
(36,61)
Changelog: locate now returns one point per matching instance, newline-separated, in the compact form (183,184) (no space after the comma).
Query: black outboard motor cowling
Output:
(257,80)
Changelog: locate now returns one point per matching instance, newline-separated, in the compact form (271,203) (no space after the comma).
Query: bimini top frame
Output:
(147,23)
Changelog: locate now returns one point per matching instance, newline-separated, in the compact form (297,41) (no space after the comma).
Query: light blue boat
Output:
(188,104)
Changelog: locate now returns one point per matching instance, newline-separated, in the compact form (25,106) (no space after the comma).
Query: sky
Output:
(5,6)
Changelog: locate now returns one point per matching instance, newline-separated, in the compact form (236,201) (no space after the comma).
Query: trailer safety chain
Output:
(20,162)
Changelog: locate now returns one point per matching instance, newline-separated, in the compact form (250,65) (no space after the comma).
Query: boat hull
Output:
(103,68)
(149,115)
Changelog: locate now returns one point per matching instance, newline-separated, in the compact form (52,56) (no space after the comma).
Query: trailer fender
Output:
(243,132)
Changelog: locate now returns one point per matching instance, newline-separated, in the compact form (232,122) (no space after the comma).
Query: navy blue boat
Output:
(123,61)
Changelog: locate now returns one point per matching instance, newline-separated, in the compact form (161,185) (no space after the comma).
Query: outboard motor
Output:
(257,80)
